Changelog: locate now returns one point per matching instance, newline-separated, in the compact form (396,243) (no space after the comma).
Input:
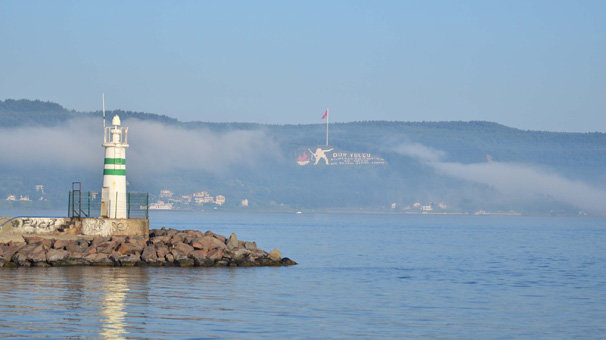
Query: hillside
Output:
(257,162)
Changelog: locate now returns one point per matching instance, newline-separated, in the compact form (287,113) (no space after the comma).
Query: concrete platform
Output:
(73,226)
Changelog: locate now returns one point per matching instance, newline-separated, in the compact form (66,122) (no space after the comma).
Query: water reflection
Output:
(81,300)
(115,290)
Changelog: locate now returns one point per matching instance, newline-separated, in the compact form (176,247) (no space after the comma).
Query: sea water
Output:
(359,275)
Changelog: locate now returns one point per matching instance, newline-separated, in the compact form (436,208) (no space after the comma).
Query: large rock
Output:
(232,242)
(149,255)
(129,249)
(30,254)
(159,239)
(36,239)
(56,255)
(250,245)
(6,253)
(77,246)
(183,248)
(161,250)
(217,236)
(275,255)
(215,254)
(139,242)
(60,244)
(99,259)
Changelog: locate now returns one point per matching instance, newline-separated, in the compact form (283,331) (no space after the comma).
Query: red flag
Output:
(325,114)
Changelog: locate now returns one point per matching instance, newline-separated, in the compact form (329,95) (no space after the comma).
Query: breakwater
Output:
(162,247)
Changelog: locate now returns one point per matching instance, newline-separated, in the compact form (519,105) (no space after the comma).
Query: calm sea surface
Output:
(367,276)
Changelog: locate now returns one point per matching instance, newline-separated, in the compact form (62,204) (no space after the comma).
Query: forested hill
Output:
(257,161)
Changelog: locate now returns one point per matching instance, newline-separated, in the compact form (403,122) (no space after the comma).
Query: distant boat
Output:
(299,212)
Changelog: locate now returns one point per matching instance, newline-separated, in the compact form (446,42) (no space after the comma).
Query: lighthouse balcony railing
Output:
(89,203)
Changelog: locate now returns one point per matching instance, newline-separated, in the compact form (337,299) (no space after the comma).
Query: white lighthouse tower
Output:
(113,195)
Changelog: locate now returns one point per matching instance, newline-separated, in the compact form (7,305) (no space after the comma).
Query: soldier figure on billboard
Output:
(320,154)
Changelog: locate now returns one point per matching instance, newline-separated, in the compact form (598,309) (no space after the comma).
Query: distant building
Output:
(186,198)
(11,198)
(200,194)
(160,205)
(40,188)
(24,198)
(166,193)
(426,208)
(442,205)
(204,199)
(220,199)
(417,205)
(393,205)
(245,202)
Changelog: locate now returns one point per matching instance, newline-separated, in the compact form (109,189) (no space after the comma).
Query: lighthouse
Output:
(113,194)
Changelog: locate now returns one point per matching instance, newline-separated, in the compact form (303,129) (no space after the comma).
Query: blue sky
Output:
(527,64)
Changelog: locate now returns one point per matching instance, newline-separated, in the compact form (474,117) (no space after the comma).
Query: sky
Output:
(536,65)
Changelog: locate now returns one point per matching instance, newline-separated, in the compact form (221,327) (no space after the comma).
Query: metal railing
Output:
(88,204)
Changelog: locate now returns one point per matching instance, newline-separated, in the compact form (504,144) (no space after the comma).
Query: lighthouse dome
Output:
(116,120)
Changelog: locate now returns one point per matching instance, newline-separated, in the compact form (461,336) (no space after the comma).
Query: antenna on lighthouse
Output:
(103,98)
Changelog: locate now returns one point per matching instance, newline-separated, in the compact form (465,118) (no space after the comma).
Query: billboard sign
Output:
(331,156)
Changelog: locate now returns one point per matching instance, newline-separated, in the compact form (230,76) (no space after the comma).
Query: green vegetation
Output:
(279,183)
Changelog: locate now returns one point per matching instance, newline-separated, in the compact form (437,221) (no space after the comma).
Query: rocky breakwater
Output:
(163,247)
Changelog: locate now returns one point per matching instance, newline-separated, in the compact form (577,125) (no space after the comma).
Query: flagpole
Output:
(327,114)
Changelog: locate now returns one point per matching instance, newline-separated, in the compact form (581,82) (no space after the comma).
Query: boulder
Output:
(97,240)
(30,253)
(36,239)
(129,260)
(217,236)
(159,239)
(197,244)
(6,253)
(138,241)
(250,245)
(239,254)
(149,255)
(60,244)
(184,262)
(157,232)
(99,259)
(275,255)
(127,249)
(107,247)
(56,255)
(287,262)
(201,259)
(177,238)
(171,232)
(215,254)
(161,250)
(77,246)
(232,242)
(183,248)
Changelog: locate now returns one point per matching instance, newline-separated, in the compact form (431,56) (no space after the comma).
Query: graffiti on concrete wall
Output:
(37,225)
(96,226)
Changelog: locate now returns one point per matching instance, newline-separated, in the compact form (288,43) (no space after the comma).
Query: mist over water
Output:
(159,147)
(257,161)
(516,181)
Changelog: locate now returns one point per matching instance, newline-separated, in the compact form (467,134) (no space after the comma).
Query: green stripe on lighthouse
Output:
(115,172)
(115,161)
